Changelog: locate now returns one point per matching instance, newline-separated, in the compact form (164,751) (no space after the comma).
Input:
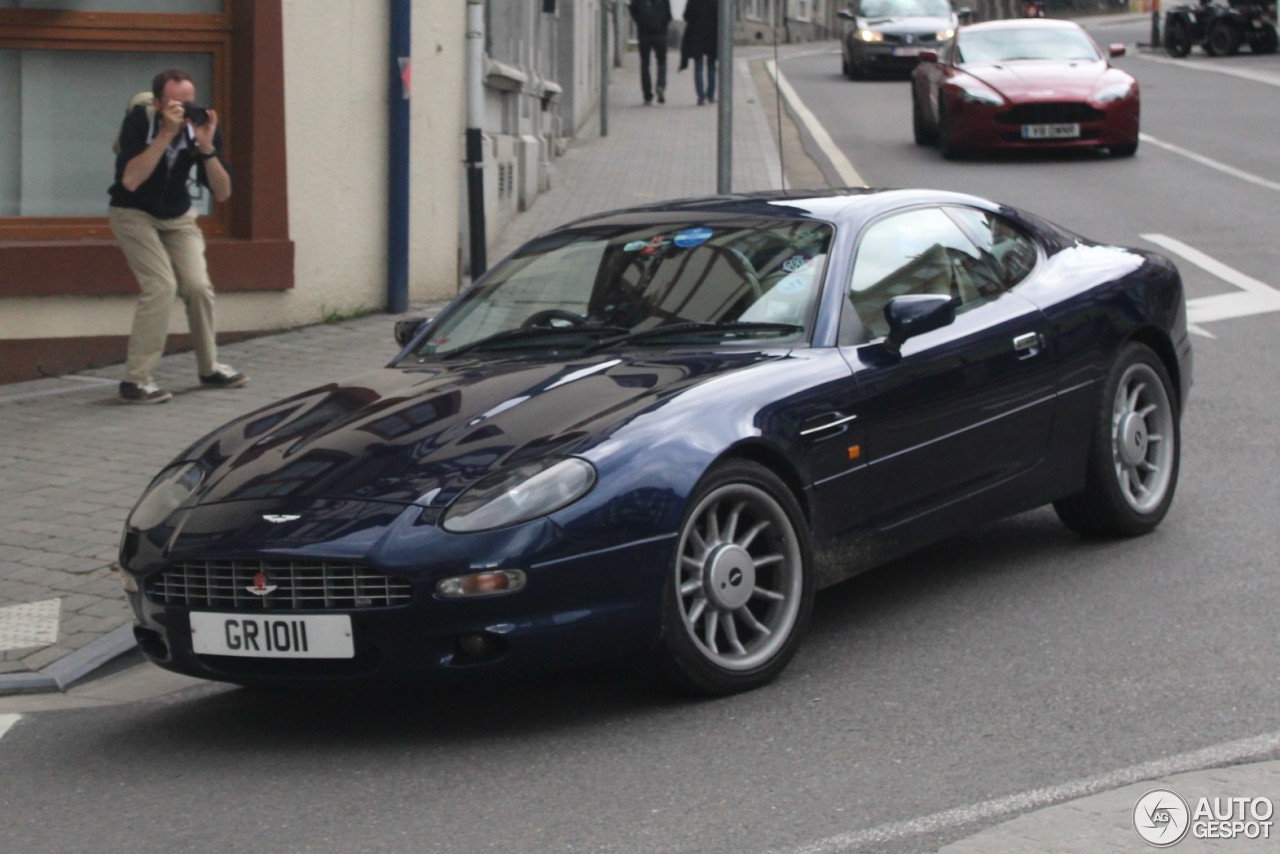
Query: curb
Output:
(66,671)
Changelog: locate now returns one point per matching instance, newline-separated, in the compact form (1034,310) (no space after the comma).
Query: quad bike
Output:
(1219,29)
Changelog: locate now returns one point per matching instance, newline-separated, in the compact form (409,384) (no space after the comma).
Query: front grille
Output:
(298,585)
(1044,114)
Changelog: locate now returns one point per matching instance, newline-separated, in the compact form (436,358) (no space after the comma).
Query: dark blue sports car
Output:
(660,431)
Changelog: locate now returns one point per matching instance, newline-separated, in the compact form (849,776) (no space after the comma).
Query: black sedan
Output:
(659,431)
(888,35)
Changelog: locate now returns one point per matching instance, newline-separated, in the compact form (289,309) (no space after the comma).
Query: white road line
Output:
(848,175)
(1209,757)
(1217,67)
(1211,163)
(6,721)
(1255,297)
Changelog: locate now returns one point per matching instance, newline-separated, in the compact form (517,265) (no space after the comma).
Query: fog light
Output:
(487,583)
(480,645)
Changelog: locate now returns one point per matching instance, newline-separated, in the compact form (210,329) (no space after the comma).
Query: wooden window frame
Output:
(249,247)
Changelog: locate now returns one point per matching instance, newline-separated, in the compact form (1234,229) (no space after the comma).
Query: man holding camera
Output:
(154,223)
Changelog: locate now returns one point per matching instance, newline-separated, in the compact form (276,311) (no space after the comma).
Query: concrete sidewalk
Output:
(73,459)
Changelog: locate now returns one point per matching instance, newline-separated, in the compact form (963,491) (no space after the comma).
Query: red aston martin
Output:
(1024,84)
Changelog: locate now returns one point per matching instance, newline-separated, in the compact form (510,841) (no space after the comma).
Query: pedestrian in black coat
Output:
(700,43)
(652,18)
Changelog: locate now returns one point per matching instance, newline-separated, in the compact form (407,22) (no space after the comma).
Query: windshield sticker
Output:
(691,237)
(792,284)
(795,263)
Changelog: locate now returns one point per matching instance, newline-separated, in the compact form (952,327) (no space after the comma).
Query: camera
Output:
(198,115)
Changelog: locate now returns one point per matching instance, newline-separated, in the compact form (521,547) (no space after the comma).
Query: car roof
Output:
(1024,24)
(836,206)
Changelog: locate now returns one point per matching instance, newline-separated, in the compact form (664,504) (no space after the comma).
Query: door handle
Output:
(837,419)
(1028,344)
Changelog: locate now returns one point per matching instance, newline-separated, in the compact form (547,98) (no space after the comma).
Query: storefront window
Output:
(61,111)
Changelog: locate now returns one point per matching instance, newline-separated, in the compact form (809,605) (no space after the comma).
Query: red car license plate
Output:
(1064,130)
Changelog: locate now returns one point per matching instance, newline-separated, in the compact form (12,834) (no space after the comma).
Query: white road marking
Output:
(1255,297)
(1209,757)
(848,175)
(7,721)
(1257,180)
(1214,67)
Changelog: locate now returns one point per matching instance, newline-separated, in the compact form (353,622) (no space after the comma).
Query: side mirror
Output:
(1116,49)
(928,55)
(916,314)
(407,329)
(964,15)
(846,15)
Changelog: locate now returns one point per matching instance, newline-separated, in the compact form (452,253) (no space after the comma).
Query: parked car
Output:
(888,35)
(1024,84)
(659,431)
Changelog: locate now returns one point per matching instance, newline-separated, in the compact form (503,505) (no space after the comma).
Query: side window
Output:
(1012,253)
(918,252)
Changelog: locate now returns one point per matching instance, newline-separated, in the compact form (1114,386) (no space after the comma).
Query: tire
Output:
(1264,40)
(1224,39)
(1132,468)
(1177,40)
(1127,149)
(922,133)
(739,592)
(950,151)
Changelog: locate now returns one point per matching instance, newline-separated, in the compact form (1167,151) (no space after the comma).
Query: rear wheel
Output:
(739,594)
(1177,40)
(1264,40)
(1224,39)
(1132,469)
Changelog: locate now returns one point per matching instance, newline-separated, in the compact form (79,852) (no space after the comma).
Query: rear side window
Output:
(1012,253)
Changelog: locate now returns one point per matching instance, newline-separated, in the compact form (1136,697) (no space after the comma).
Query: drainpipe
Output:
(475,140)
(398,161)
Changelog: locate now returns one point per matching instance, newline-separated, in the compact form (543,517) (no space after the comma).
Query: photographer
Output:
(154,223)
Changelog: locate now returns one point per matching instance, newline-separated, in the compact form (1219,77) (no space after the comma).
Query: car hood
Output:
(422,434)
(916,25)
(1041,80)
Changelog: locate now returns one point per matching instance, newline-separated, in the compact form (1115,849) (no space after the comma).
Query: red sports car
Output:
(1024,84)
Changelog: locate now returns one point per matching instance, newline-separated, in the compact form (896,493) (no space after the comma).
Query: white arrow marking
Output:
(7,721)
(1255,297)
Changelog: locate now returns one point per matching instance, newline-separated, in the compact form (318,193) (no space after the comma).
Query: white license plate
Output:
(1055,131)
(907,51)
(274,636)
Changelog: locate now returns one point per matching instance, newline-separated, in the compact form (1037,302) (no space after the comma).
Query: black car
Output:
(888,35)
(659,431)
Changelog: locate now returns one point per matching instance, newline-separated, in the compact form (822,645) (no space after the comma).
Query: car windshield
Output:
(1008,45)
(720,281)
(904,9)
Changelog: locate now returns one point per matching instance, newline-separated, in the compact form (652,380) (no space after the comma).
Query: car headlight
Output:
(166,493)
(943,35)
(1114,92)
(519,494)
(868,36)
(977,93)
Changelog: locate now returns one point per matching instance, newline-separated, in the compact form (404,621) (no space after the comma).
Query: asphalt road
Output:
(1010,659)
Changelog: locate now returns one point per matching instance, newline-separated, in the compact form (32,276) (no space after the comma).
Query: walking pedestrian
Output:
(652,18)
(700,43)
(153,221)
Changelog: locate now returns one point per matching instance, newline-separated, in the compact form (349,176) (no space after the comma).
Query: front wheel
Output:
(921,132)
(1132,468)
(1177,40)
(739,594)
(1127,149)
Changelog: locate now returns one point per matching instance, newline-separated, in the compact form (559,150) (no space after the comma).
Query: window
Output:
(67,70)
(923,251)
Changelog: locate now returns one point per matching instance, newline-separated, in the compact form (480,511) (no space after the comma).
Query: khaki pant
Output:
(167,258)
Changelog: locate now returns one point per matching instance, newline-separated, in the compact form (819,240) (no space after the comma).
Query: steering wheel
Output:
(544,318)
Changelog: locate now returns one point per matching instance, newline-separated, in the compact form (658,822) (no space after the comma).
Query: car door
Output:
(964,409)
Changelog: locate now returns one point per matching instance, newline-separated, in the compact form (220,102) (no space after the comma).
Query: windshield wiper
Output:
(508,336)
(742,328)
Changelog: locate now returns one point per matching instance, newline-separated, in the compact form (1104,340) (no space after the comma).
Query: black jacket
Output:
(701,30)
(164,194)
(652,17)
